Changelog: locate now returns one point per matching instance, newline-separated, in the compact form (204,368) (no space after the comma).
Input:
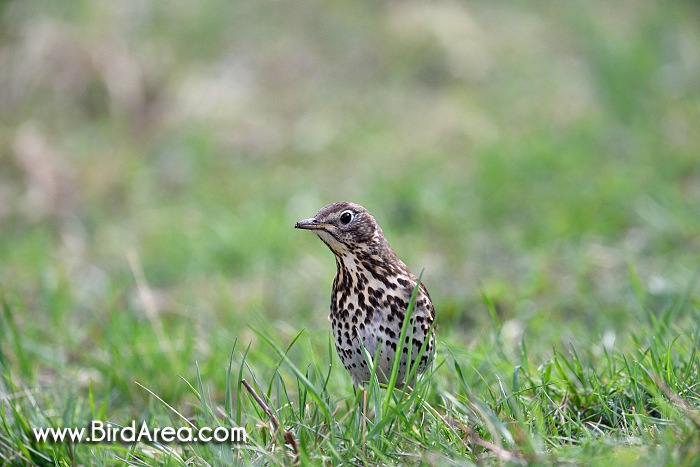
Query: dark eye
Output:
(346,217)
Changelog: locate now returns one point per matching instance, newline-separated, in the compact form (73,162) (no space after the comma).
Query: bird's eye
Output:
(346,217)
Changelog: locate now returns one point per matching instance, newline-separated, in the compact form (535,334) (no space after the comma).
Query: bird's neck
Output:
(372,263)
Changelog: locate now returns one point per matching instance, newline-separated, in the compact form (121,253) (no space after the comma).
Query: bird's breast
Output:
(365,291)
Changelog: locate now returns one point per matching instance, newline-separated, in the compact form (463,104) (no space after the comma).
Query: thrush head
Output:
(346,227)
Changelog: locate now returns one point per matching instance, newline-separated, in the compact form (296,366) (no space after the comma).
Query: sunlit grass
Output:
(478,403)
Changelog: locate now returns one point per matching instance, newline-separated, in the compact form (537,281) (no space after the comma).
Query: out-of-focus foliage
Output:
(154,157)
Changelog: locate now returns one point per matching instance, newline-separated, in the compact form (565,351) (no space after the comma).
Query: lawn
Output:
(537,161)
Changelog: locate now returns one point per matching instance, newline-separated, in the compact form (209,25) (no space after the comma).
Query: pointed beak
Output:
(309,224)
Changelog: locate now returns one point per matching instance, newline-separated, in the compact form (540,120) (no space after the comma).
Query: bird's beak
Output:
(309,224)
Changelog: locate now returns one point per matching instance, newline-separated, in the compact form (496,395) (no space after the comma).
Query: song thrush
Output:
(371,293)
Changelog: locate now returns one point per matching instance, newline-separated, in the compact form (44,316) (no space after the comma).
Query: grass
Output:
(633,404)
(539,163)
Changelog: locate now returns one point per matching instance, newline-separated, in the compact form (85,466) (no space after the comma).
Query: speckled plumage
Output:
(371,291)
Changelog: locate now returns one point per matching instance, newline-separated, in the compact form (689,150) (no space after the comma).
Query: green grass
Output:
(636,403)
(537,161)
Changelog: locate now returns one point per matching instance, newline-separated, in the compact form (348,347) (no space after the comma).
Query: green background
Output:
(155,156)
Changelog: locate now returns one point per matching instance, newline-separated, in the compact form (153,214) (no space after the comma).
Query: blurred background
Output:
(155,156)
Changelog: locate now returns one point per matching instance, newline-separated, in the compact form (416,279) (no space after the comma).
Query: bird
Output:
(370,296)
